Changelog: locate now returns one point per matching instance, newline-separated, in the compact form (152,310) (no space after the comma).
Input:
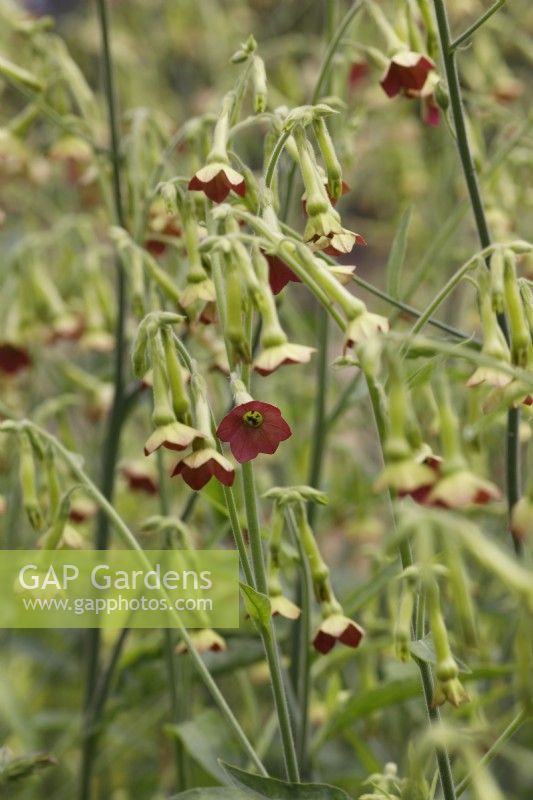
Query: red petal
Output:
(243,445)
(230,424)
(352,635)
(323,642)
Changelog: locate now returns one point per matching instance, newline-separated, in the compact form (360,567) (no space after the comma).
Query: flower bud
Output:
(333,167)
(520,334)
(259,84)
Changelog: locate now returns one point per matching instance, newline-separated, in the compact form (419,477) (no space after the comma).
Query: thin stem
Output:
(274,158)
(303,677)
(413,312)
(479,22)
(515,724)
(513,416)
(254,532)
(116,416)
(332,49)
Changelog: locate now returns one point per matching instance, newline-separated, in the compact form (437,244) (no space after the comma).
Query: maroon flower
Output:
(200,466)
(430,111)
(358,72)
(155,246)
(279,274)
(252,428)
(345,188)
(13,358)
(406,74)
(138,478)
(337,628)
(217,180)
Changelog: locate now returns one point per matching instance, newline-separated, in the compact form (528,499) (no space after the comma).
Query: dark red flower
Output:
(217,180)
(337,628)
(139,479)
(406,74)
(430,111)
(200,466)
(358,72)
(155,246)
(252,428)
(279,274)
(13,358)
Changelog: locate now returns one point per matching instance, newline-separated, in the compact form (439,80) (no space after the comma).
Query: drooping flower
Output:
(174,436)
(363,327)
(204,641)
(201,465)
(170,228)
(462,488)
(253,427)
(325,232)
(357,74)
(406,74)
(345,188)
(13,358)
(405,477)
(216,180)
(281,606)
(139,478)
(337,628)
(279,274)
(82,509)
(270,358)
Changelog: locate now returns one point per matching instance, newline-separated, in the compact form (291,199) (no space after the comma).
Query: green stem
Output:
(268,634)
(515,724)
(513,477)
(406,557)
(477,24)
(114,426)
(303,676)
(131,543)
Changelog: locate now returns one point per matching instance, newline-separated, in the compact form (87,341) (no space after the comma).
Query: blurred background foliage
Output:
(172,59)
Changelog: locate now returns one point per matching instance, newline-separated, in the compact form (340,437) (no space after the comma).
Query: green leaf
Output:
(257,605)
(424,649)
(281,790)
(397,255)
(212,793)
(206,739)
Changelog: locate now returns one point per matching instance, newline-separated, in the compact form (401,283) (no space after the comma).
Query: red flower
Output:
(406,74)
(155,246)
(252,428)
(217,180)
(138,478)
(337,628)
(279,274)
(13,358)
(200,466)
(358,72)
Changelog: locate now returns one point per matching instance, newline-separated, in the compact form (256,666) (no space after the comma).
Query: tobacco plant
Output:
(190,358)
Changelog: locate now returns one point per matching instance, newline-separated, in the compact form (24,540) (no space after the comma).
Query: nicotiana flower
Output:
(325,232)
(204,641)
(253,427)
(462,488)
(405,477)
(279,274)
(169,229)
(82,509)
(13,358)
(139,478)
(201,465)
(270,358)
(337,628)
(281,606)
(363,327)
(345,188)
(203,290)
(174,436)
(407,74)
(216,180)
(448,687)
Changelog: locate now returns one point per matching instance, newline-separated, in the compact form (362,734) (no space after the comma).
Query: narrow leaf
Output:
(397,255)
